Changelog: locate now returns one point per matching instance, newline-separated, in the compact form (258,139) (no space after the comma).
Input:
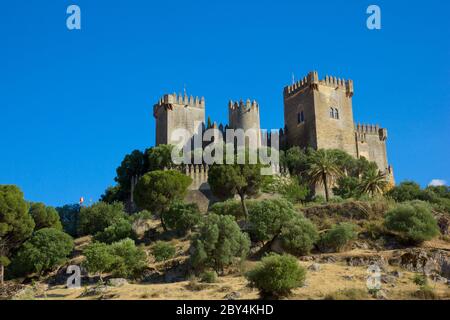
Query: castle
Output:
(317,113)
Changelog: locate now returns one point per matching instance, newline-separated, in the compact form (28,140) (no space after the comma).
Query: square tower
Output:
(319,114)
(178,112)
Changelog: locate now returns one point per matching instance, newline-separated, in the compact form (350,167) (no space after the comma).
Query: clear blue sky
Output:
(73,103)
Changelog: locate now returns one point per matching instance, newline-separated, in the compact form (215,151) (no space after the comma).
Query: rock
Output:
(141,226)
(327,259)
(306,258)
(357,261)
(94,291)
(360,245)
(381,295)
(444,225)
(432,262)
(117,282)
(314,267)
(388,279)
(276,246)
(349,278)
(232,295)
(439,279)
(396,274)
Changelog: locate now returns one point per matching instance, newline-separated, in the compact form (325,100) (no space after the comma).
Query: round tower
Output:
(245,116)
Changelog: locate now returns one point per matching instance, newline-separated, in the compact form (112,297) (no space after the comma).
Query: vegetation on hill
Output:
(288,218)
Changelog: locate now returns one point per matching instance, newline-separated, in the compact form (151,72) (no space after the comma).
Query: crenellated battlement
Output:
(312,81)
(243,106)
(170,100)
(369,129)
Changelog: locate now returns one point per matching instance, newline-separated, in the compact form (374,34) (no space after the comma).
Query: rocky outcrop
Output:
(141,226)
(433,262)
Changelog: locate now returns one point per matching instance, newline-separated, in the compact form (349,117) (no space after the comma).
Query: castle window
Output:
(300,117)
(336,113)
(332,113)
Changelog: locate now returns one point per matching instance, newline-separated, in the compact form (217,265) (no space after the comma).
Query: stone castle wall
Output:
(174,112)
(371,144)
(319,114)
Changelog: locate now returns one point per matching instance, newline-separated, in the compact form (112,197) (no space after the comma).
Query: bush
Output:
(45,217)
(267,218)
(412,221)
(163,251)
(208,277)
(99,258)
(405,191)
(420,280)
(299,235)
(277,275)
(98,217)
(338,237)
(142,215)
(374,229)
(182,217)
(123,259)
(218,243)
(46,249)
(121,229)
(293,191)
(229,207)
(347,187)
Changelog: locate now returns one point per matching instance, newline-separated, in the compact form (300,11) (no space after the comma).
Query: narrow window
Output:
(300,117)
(336,113)
(331,113)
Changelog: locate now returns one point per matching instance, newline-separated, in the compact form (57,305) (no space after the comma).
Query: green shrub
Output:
(267,218)
(374,229)
(347,187)
(182,217)
(121,229)
(45,217)
(163,251)
(98,217)
(99,258)
(208,276)
(142,215)
(412,221)
(276,275)
(299,235)
(231,208)
(130,260)
(122,259)
(338,237)
(218,243)
(46,249)
(293,191)
(420,280)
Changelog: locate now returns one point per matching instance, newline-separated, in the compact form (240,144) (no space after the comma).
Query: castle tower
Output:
(371,144)
(178,112)
(318,114)
(245,115)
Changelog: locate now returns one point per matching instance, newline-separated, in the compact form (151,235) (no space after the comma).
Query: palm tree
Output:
(323,169)
(373,182)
